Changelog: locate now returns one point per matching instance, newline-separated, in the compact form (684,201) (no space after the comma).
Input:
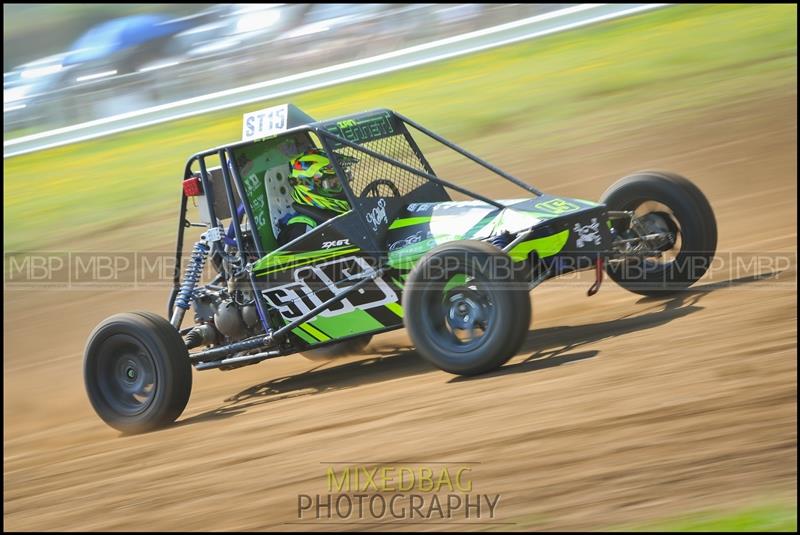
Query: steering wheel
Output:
(373,188)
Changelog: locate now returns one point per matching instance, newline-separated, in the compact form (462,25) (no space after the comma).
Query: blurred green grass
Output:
(673,61)
(771,518)
(776,515)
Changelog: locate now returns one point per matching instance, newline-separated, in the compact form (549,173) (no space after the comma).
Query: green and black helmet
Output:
(315,182)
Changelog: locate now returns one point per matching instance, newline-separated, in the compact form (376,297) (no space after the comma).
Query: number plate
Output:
(264,123)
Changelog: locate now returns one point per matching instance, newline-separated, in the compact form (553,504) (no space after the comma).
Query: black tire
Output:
(489,296)
(691,216)
(136,371)
(353,346)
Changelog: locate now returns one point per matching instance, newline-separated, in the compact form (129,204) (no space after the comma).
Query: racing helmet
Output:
(315,183)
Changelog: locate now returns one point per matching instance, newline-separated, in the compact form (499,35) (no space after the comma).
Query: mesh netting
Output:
(364,170)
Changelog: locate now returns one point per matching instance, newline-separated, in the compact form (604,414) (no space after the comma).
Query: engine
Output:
(223,314)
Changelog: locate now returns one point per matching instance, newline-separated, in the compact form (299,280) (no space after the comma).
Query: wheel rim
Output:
(461,316)
(658,217)
(127,374)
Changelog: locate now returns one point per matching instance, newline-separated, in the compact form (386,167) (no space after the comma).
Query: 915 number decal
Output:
(313,285)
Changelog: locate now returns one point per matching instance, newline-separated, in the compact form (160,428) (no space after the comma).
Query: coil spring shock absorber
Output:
(194,270)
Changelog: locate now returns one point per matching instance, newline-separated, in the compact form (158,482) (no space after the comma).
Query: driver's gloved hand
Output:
(293,226)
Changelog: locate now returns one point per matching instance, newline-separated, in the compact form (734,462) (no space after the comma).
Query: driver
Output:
(317,193)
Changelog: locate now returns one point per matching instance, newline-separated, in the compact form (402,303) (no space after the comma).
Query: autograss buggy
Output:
(455,273)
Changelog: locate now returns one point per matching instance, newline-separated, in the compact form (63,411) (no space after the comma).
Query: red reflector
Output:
(192,187)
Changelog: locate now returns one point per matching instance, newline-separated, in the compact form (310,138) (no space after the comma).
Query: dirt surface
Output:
(618,410)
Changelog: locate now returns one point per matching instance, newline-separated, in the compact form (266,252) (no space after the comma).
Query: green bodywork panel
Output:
(544,247)
(281,260)
(471,220)
(254,161)
(348,324)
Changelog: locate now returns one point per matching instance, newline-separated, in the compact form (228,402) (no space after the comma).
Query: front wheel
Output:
(464,310)
(666,204)
(137,372)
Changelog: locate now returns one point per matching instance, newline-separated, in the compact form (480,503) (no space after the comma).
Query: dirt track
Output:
(619,409)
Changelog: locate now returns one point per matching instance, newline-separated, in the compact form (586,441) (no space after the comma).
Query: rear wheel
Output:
(464,310)
(663,203)
(137,372)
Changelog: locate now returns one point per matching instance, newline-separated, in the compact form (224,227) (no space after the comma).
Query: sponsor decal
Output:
(420,207)
(440,207)
(557,206)
(417,237)
(587,233)
(363,129)
(377,215)
(335,243)
(313,285)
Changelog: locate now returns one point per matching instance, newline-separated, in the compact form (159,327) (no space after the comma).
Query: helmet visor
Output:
(330,184)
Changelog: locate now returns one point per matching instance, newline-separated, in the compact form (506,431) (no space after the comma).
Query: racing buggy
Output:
(403,246)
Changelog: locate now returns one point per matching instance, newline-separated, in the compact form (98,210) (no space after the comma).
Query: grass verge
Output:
(756,519)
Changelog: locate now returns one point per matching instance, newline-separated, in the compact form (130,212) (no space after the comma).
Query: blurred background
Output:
(70,63)
(619,412)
